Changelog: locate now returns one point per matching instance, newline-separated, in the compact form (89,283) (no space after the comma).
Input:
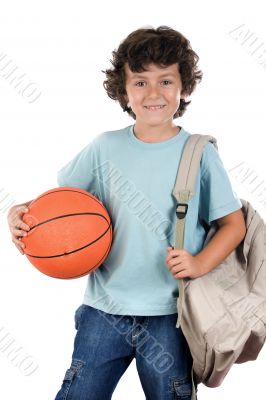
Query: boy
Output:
(129,307)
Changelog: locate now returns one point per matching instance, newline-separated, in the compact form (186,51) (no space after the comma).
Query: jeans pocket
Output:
(183,388)
(73,372)
(78,314)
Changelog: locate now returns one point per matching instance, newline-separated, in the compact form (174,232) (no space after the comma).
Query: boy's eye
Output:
(166,80)
(137,84)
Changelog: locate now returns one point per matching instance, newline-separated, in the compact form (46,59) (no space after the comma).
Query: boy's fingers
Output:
(24,226)
(17,213)
(17,232)
(20,245)
(18,241)
(19,248)
(19,224)
(22,208)
(170,247)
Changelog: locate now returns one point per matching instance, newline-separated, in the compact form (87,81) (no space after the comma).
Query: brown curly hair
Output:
(162,46)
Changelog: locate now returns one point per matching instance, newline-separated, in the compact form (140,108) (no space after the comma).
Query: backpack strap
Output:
(184,190)
(186,179)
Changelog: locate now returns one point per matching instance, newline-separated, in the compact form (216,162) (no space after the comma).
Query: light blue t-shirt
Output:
(134,180)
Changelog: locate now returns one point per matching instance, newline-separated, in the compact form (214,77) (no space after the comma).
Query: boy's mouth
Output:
(152,108)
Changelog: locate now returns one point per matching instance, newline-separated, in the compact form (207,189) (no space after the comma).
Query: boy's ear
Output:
(184,96)
(126,98)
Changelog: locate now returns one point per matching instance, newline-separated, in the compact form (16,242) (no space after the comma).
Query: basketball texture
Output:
(70,233)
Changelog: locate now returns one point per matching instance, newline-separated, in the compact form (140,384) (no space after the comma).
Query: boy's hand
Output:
(16,225)
(182,264)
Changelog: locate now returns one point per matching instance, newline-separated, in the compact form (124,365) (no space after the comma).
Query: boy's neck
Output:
(155,134)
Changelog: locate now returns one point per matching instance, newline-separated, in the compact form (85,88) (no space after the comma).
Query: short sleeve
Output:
(217,197)
(78,172)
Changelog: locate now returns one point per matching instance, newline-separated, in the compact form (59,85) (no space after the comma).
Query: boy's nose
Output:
(154,93)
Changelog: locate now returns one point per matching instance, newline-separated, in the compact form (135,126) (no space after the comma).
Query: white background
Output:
(63,46)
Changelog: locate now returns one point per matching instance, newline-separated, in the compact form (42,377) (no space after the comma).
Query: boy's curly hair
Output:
(162,46)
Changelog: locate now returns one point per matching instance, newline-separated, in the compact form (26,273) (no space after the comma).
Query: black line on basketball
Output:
(73,251)
(68,190)
(86,273)
(68,215)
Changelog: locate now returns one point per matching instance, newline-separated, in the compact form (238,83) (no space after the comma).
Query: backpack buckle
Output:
(183,212)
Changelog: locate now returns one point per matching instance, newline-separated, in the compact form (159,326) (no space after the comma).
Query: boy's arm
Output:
(231,232)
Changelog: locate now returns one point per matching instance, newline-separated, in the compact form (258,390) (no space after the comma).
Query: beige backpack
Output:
(222,313)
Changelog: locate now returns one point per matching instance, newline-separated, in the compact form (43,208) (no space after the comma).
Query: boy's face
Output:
(157,86)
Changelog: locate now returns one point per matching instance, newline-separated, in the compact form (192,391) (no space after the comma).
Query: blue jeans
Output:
(105,344)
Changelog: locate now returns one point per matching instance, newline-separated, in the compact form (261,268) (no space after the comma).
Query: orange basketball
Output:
(70,233)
